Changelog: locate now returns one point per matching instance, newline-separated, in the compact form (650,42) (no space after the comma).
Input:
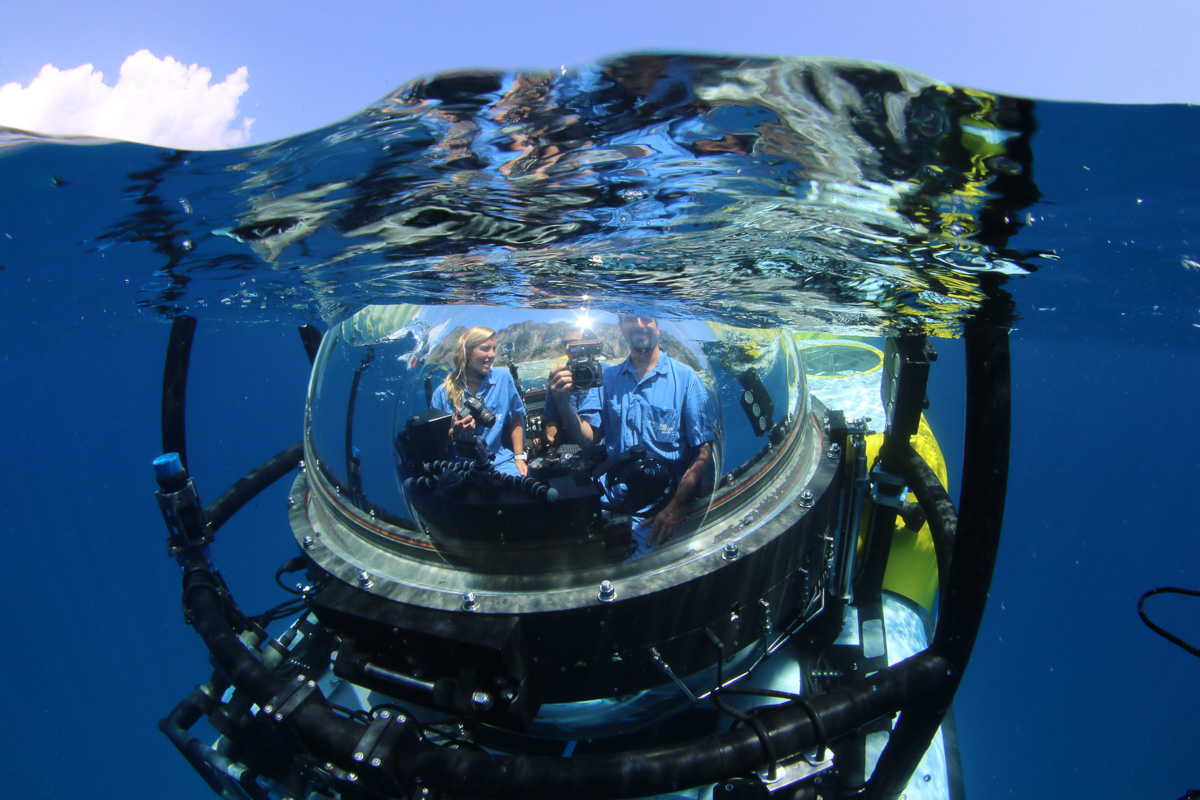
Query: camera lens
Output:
(475,407)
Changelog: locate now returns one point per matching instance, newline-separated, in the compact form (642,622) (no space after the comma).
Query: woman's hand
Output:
(462,424)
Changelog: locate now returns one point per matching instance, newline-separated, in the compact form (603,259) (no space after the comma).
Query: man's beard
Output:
(642,343)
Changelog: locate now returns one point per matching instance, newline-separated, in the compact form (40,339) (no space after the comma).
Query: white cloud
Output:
(155,101)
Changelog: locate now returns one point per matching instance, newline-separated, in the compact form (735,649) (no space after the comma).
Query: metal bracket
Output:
(375,746)
(888,489)
(787,775)
(289,699)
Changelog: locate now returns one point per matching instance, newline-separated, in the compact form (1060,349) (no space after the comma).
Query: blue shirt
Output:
(668,411)
(584,402)
(499,395)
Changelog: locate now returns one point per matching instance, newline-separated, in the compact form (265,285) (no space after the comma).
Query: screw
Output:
(608,592)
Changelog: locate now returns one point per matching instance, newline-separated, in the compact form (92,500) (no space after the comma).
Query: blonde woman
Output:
(473,378)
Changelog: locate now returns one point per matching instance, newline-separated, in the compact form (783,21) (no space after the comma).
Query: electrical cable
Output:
(1170,637)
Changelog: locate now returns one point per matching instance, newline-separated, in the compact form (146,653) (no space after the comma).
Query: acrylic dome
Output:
(386,499)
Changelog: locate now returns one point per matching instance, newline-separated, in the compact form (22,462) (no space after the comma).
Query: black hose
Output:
(249,485)
(174,391)
(935,503)
(687,764)
(1170,637)
(312,341)
(976,542)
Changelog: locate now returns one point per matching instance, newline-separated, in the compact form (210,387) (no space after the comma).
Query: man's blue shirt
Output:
(499,395)
(668,411)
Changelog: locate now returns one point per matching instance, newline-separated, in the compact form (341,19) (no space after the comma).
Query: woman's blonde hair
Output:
(466,343)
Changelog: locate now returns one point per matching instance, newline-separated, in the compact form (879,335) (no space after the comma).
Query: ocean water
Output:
(830,196)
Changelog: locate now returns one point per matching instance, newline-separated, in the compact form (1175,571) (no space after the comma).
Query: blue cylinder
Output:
(169,472)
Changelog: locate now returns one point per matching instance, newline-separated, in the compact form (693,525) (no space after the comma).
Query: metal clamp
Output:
(289,699)
(375,746)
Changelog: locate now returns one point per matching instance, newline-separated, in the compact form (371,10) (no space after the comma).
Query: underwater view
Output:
(776,222)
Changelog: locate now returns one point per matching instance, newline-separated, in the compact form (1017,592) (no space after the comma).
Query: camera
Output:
(475,407)
(586,371)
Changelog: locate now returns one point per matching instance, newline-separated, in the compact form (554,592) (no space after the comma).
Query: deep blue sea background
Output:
(1068,694)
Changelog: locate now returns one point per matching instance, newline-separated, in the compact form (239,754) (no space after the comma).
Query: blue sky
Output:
(309,63)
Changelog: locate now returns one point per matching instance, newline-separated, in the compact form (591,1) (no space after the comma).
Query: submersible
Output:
(463,635)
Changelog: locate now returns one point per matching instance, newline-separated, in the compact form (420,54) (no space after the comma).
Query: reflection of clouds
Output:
(158,101)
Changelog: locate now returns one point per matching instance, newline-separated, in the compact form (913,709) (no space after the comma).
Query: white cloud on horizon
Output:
(161,102)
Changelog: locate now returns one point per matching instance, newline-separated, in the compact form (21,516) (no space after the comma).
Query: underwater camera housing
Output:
(460,629)
(586,371)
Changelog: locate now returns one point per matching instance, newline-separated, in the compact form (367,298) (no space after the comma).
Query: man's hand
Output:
(561,381)
(662,526)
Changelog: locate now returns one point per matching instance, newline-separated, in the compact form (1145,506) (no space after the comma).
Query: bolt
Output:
(307,543)
(608,592)
(468,601)
(481,700)
(806,499)
(731,551)
(835,451)
(364,580)
(291,502)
